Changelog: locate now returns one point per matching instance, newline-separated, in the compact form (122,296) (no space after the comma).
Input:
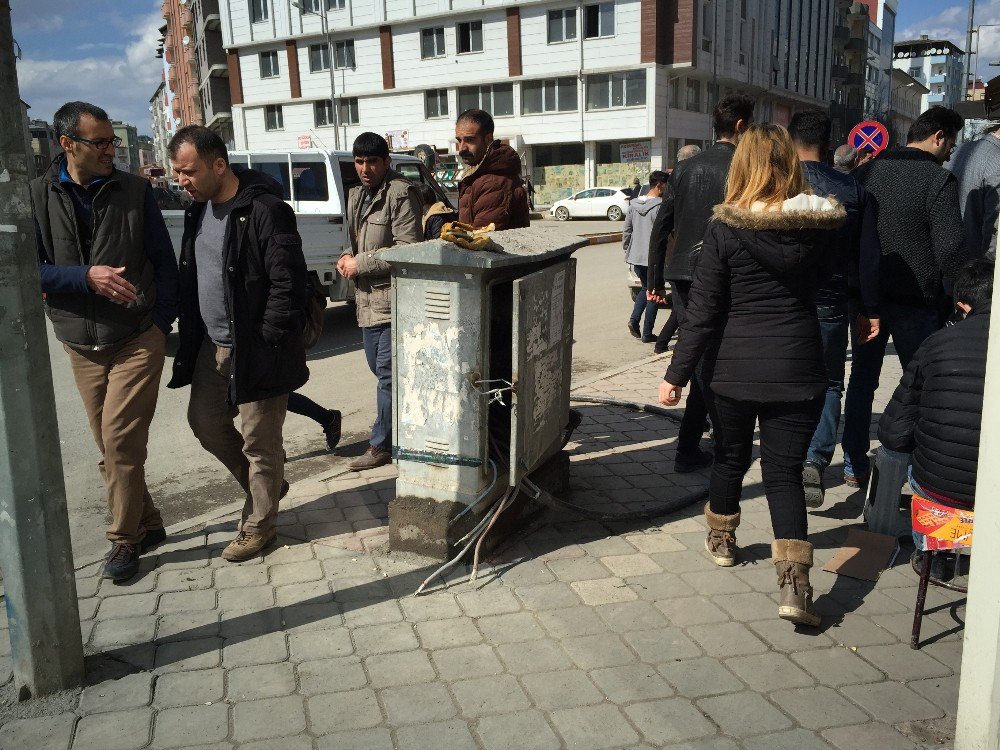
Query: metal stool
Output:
(937,528)
(882,511)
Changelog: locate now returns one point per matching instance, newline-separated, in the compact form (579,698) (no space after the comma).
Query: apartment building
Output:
(936,63)
(907,98)
(878,65)
(127,154)
(164,125)
(44,144)
(589,93)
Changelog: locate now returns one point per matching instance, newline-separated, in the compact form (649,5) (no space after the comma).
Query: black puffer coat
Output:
(937,409)
(266,291)
(751,315)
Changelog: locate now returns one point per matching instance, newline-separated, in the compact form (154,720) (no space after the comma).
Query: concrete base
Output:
(420,525)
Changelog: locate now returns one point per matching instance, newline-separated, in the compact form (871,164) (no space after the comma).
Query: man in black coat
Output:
(851,270)
(923,247)
(243,297)
(696,186)
(937,409)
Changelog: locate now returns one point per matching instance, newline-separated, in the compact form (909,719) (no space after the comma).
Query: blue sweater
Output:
(60,279)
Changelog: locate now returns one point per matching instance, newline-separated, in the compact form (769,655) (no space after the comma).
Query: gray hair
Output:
(845,156)
(686,152)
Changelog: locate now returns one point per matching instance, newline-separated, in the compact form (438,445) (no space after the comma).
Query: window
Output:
(432,43)
(323,113)
(344,55)
(336,4)
(675,93)
(319,57)
(258,11)
(273,118)
(309,180)
(310,6)
(554,95)
(436,103)
(278,170)
(268,64)
(497,99)
(470,37)
(599,20)
(612,90)
(562,25)
(347,111)
(693,103)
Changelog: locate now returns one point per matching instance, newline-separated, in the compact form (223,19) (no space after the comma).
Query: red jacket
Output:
(492,192)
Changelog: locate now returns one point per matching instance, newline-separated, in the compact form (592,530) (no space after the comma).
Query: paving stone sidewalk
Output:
(578,634)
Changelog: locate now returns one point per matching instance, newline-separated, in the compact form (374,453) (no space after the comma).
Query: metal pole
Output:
(968,48)
(978,723)
(35,552)
(333,79)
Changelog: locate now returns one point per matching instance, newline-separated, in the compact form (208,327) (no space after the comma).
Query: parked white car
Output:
(611,202)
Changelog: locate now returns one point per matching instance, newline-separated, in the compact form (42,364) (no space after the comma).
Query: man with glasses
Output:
(110,280)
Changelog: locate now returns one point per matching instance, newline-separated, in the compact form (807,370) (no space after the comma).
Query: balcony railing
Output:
(856,45)
(935,98)
(938,78)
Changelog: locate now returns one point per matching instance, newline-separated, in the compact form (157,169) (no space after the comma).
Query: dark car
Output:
(166,200)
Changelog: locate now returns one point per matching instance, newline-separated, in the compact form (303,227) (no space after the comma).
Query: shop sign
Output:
(634,152)
(305,141)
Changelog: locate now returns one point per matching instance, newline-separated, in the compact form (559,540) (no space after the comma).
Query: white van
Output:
(316,183)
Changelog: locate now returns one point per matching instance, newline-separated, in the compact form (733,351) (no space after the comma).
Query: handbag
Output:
(312,328)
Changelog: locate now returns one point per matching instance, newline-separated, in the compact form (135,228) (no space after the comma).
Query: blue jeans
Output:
(833,328)
(642,304)
(378,351)
(908,326)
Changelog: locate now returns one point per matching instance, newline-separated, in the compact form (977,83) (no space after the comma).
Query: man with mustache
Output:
(491,190)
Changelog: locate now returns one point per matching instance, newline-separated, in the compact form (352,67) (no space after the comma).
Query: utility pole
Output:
(35,552)
(968,49)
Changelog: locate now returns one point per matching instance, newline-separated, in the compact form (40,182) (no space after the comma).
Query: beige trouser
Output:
(256,457)
(119,386)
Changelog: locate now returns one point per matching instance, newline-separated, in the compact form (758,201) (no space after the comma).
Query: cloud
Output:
(952,23)
(120,83)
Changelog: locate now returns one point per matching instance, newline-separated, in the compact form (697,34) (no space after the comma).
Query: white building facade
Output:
(588,93)
(936,63)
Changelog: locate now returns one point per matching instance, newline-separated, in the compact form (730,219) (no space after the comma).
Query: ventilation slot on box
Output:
(437,304)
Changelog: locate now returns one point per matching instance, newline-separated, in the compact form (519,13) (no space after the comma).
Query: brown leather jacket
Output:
(392,218)
(492,192)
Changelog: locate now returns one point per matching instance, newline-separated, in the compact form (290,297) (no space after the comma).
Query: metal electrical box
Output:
(482,354)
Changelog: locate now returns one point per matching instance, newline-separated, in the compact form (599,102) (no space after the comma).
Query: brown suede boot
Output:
(792,560)
(721,541)
(245,546)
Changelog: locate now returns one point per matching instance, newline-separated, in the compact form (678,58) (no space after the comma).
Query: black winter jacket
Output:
(919,226)
(937,409)
(266,291)
(751,314)
(696,185)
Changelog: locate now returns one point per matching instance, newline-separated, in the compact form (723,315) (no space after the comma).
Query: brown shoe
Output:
(792,560)
(245,546)
(371,459)
(721,541)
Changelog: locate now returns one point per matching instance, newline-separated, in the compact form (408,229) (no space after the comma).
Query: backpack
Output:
(312,326)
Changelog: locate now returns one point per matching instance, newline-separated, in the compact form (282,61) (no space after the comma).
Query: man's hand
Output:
(867,329)
(109,282)
(347,266)
(670,394)
(657,295)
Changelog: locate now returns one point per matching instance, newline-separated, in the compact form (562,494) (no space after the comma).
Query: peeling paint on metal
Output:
(431,384)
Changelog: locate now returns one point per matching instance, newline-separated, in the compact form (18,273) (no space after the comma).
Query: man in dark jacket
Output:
(243,298)
(850,270)
(491,190)
(923,246)
(937,409)
(110,281)
(696,186)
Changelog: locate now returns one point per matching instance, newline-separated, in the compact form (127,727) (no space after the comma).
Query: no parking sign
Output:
(869,136)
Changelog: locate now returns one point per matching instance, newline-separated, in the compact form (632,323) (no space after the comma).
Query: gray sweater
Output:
(977,167)
(638,229)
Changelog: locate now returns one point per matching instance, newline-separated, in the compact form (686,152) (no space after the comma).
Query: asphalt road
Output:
(186,481)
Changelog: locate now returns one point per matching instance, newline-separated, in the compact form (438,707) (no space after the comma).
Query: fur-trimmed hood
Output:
(785,240)
(804,211)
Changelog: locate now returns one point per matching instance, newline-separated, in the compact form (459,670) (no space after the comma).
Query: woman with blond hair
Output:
(752,330)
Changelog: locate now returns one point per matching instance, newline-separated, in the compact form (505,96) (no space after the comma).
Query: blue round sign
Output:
(869,136)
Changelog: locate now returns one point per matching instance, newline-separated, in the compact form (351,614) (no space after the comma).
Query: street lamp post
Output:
(325,26)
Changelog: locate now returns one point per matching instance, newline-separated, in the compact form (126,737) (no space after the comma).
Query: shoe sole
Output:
(812,482)
(798,616)
(366,468)
(250,556)
(120,579)
(722,562)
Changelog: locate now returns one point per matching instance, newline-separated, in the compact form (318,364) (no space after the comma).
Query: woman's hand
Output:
(670,394)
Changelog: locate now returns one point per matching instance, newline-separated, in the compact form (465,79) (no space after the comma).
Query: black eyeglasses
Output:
(100,143)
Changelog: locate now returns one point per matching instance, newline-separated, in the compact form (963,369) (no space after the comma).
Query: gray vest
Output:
(90,321)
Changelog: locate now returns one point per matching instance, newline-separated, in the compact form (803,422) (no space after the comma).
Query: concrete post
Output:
(35,552)
(978,726)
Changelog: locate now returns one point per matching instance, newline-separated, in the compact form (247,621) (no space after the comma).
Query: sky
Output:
(103,51)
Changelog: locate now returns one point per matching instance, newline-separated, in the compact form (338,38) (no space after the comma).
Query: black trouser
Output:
(306,407)
(785,431)
(693,423)
(666,333)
